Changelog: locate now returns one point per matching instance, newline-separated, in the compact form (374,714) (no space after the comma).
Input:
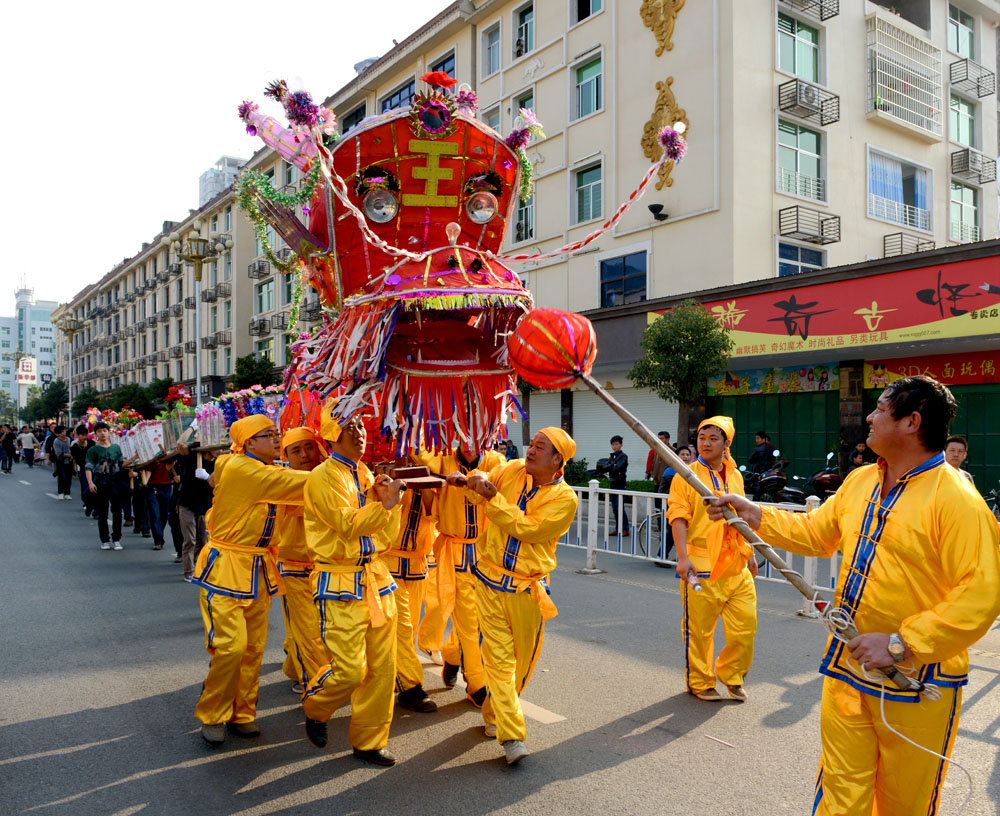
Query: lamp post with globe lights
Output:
(195,250)
(70,326)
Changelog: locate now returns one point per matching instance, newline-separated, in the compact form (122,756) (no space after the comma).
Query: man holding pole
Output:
(921,581)
(716,568)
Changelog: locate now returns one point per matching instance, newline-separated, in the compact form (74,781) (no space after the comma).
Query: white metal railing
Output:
(648,540)
(800,184)
(898,212)
(964,233)
(904,76)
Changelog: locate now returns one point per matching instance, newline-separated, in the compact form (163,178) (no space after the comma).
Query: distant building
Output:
(218,178)
(30,331)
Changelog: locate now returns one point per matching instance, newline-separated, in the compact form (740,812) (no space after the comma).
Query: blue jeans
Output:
(159,510)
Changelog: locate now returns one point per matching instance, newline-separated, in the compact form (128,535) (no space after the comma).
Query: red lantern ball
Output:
(551,348)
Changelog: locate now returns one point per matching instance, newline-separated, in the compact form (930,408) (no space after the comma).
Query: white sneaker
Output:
(515,751)
(490,731)
(116,546)
(105,545)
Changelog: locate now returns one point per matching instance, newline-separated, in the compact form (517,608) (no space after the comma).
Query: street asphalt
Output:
(102,658)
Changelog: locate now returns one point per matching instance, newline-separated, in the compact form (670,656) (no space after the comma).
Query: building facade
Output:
(29,331)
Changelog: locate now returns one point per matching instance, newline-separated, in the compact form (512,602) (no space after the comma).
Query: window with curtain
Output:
(491,50)
(962,121)
(898,192)
(588,193)
(964,213)
(588,88)
(800,161)
(798,48)
(961,32)
(524,40)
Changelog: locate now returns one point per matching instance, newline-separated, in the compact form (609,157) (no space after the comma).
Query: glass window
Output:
(898,192)
(289,172)
(588,87)
(623,280)
(491,50)
(229,314)
(588,193)
(214,224)
(962,121)
(213,319)
(265,296)
(446,65)
(524,40)
(793,259)
(964,213)
(961,32)
(228,219)
(227,267)
(228,356)
(265,349)
(524,228)
(800,166)
(526,101)
(353,119)
(798,48)
(492,118)
(400,97)
(214,362)
(582,9)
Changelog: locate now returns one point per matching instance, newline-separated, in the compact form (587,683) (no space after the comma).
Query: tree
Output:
(254,370)
(157,391)
(87,397)
(135,397)
(56,398)
(6,408)
(683,349)
(34,408)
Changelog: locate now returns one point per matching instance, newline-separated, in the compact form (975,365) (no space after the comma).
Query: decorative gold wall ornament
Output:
(665,113)
(660,16)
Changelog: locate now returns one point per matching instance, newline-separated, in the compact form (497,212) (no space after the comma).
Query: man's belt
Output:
(271,553)
(370,580)
(534,581)
(299,566)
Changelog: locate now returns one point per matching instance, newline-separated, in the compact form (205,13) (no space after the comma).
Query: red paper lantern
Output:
(551,348)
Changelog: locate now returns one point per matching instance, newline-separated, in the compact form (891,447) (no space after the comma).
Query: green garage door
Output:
(977,420)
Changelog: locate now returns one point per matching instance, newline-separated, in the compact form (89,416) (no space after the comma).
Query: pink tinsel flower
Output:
(518,138)
(673,143)
(467,99)
(326,120)
(531,122)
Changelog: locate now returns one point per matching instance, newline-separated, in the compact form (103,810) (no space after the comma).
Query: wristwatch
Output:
(897,649)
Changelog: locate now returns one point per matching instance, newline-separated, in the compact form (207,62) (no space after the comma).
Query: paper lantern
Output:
(551,348)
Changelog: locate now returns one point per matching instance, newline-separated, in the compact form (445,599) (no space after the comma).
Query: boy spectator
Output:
(63,461)
(618,480)
(78,450)
(104,464)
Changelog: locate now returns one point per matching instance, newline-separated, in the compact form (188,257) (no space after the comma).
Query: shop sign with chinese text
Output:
(970,368)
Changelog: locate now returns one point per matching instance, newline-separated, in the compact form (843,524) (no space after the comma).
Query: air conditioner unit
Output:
(808,97)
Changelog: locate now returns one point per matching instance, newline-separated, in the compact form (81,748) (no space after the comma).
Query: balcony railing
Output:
(898,212)
(177,309)
(904,78)
(259,269)
(130,331)
(312,312)
(972,78)
(812,226)
(140,363)
(209,342)
(279,322)
(162,355)
(141,325)
(163,314)
(808,101)
(899,243)
(189,302)
(153,319)
(224,338)
(800,184)
(177,351)
(284,253)
(972,165)
(162,276)
(817,9)
(963,233)
(260,326)
(175,269)
(224,289)
(190,346)
(208,295)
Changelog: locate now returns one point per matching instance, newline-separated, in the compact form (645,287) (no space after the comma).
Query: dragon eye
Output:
(481,207)
(380,205)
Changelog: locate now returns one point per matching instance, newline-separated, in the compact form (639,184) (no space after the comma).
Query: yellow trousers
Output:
(735,600)
(513,630)
(362,669)
(409,669)
(235,637)
(866,769)
(305,652)
(430,632)
(462,646)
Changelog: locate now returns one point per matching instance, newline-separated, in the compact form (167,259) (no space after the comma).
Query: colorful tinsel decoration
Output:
(302,112)
(177,394)
(293,313)
(674,145)
(276,90)
(244,110)
(466,99)
(527,189)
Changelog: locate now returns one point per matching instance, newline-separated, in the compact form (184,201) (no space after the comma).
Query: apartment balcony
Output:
(904,88)
(153,319)
(259,269)
(140,325)
(130,297)
(290,188)
(177,351)
(175,269)
(900,243)
(312,312)
(817,9)
(177,310)
(162,355)
(800,184)
(808,101)
(163,314)
(162,276)
(223,338)
(280,322)
(974,166)
(972,78)
(812,226)
(898,213)
(130,331)
(260,326)
(149,285)
(284,253)
(140,363)
(190,346)
(189,302)
(208,296)
(128,365)
(209,342)
(224,290)
(962,233)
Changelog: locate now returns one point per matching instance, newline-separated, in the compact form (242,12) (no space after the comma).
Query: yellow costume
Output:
(240,554)
(720,559)
(923,562)
(430,632)
(459,524)
(347,531)
(407,563)
(515,555)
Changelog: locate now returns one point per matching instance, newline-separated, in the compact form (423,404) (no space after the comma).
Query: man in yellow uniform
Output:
(459,524)
(407,563)
(237,572)
(722,563)
(305,652)
(430,632)
(352,517)
(528,507)
(921,579)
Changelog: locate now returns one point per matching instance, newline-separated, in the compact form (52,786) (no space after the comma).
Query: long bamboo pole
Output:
(744,529)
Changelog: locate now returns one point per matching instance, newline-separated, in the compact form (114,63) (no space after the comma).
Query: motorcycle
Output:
(767,486)
(823,482)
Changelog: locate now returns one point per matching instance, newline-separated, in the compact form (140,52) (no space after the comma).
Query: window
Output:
(588,193)
(214,223)
(962,121)
(265,349)
(492,118)
(353,119)
(798,48)
(228,219)
(623,279)
(491,50)
(289,173)
(265,296)
(526,101)
(180,331)
(588,88)
(961,32)
(964,213)
(213,274)
(445,65)
(524,36)
(228,356)
(524,228)
(399,98)
(582,9)
(227,267)
(289,290)
(180,290)
(800,169)
(229,315)
(213,319)
(898,192)
(214,363)
(793,259)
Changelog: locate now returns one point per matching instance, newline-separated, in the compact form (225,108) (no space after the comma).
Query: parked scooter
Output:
(767,486)
(824,482)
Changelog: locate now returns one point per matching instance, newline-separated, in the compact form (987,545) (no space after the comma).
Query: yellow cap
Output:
(242,429)
(561,441)
(294,435)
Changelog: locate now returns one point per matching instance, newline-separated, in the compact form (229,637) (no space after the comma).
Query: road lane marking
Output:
(52,496)
(539,714)
(129,811)
(24,482)
(61,751)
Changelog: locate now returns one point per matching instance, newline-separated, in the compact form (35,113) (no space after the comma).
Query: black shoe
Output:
(449,674)
(416,699)
(478,698)
(146,534)
(316,731)
(379,757)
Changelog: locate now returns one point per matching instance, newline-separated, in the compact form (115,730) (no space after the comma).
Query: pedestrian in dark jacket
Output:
(763,455)
(618,480)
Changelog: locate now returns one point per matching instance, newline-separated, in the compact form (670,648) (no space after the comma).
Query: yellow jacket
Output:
(923,562)
(416,535)
(347,530)
(293,554)
(241,525)
(715,550)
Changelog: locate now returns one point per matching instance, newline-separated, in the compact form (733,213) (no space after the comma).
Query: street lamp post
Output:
(16,356)
(195,252)
(70,326)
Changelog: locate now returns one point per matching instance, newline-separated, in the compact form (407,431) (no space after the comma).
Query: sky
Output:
(118,108)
